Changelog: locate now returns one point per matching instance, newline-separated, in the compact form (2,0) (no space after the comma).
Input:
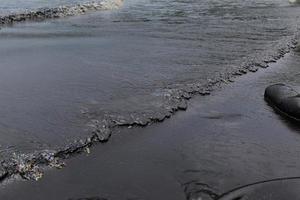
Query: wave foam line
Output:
(61,11)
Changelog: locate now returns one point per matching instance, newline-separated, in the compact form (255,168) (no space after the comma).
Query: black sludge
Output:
(285,99)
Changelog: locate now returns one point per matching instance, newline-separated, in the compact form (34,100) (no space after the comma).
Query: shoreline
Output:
(159,152)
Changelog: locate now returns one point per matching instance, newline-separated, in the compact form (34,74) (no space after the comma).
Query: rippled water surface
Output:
(57,76)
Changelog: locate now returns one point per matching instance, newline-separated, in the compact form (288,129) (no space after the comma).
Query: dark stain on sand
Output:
(222,116)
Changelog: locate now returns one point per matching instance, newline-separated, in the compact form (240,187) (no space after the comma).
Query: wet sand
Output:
(223,141)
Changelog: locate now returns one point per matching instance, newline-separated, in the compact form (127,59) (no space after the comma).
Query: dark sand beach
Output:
(223,141)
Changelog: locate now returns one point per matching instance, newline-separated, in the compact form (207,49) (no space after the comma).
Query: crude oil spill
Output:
(188,156)
(230,116)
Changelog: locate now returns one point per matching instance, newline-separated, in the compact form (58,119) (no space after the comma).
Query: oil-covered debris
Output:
(29,166)
(284,99)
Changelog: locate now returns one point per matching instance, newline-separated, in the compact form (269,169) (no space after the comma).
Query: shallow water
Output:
(57,76)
